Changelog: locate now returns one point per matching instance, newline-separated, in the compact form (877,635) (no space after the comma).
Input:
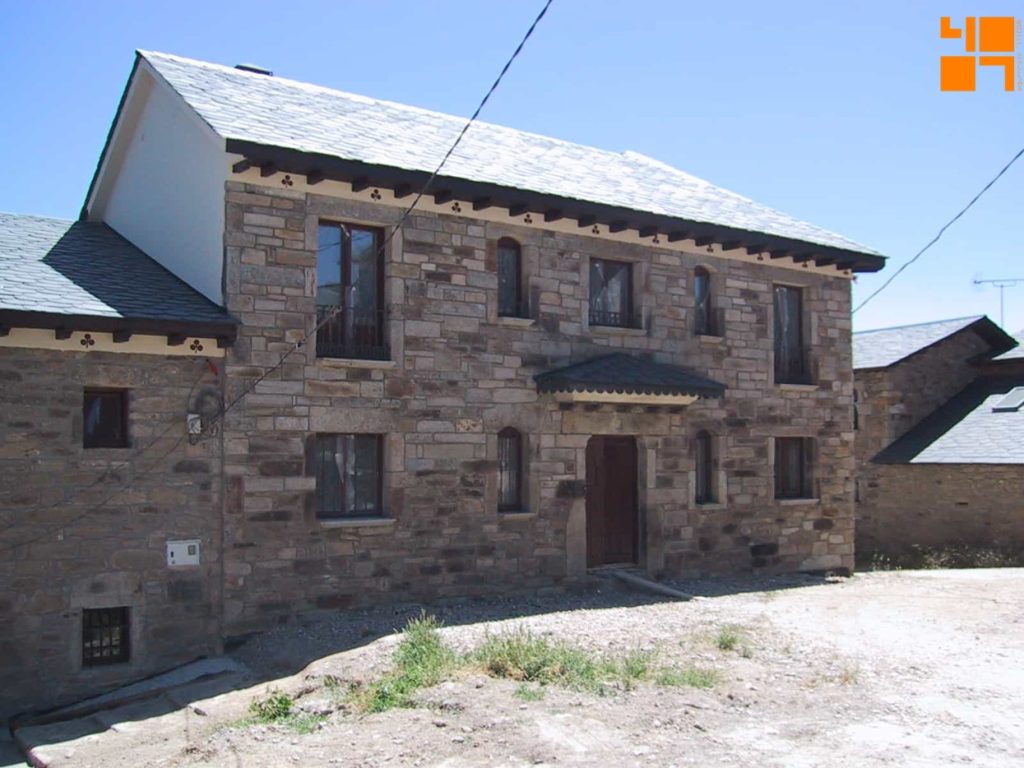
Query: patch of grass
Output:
(951,556)
(522,656)
(728,638)
(421,660)
(530,693)
(279,709)
(687,677)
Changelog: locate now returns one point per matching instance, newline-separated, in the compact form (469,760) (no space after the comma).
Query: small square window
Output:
(105,418)
(105,636)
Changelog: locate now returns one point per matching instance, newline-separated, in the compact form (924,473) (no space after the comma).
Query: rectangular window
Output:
(350,293)
(793,469)
(510,471)
(105,636)
(790,355)
(704,492)
(611,293)
(349,470)
(105,418)
(511,302)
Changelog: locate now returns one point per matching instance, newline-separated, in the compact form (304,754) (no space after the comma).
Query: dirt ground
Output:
(922,668)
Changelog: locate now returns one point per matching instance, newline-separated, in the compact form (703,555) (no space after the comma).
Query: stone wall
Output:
(937,505)
(892,400)
(459,374)
(67,543)
(902,505)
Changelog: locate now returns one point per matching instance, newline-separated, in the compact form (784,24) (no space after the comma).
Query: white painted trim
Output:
(500,215)
(138,344)
(357,522)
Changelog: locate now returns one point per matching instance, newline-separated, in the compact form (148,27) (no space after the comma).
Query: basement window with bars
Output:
(510,470)
(105,636)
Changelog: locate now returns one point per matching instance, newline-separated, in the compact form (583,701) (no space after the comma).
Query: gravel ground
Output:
(883,669)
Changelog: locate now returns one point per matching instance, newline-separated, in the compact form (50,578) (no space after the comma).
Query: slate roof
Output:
(1017,352)
(277,112)
(83,269)
(965,430)
(883,347)
(624,374)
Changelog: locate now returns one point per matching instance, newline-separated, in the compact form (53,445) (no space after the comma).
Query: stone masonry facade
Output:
(458,374)
(902,507)
(69,544)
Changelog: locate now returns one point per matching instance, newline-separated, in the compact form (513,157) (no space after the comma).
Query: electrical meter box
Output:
(183,552)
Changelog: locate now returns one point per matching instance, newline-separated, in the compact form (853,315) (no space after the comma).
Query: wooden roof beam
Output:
(314,177)
(482,203)
(553,214)
(242,165)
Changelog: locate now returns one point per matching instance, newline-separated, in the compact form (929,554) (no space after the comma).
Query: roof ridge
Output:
(917,325)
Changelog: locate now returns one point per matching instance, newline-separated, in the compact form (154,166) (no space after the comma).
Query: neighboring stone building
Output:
(939,441)
(102,353)
(564,358)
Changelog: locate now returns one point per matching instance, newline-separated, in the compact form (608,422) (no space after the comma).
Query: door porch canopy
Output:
(628,380)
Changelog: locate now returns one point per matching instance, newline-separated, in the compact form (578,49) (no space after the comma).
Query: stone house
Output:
(103,353)
(564,358)
(939,424)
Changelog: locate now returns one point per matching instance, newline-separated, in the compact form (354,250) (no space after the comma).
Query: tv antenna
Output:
(1002,284)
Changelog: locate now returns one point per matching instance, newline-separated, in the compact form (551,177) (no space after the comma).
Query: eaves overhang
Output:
(407,182)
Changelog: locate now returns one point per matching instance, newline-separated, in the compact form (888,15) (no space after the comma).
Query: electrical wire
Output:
(942,231)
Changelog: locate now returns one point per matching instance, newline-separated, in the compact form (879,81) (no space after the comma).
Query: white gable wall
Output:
(162,184)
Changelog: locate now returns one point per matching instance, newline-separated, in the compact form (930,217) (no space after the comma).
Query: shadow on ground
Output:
(288,649)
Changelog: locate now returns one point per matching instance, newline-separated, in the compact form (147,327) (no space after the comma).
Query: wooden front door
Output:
(612,529)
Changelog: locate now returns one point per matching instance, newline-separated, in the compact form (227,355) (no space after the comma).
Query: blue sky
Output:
(828,111)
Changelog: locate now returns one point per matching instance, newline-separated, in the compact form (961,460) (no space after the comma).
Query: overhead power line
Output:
(328,317)
(942,231)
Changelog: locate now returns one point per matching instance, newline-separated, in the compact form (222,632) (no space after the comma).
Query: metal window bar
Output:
(105,636)
(510,451)
(616,319)
(351,334)
(349,475)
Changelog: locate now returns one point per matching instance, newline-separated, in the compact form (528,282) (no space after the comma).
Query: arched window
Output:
(510,470)
(702,325)
(510,272)
(704,492)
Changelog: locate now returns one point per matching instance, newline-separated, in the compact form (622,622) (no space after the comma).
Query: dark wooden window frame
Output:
(512,499)
(800,467)
(704,468)
(792,361)
(328,344)
(624,316)
(106,636)
(514,306)
(124,441)
(356,512)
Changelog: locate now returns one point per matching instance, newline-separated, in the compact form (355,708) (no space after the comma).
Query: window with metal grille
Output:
(350,292)
(793,468)
(510,470)
(511,302)
(349,470)
(105,418)
(611,293)
(791,358)
(704,492)
(105,636)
